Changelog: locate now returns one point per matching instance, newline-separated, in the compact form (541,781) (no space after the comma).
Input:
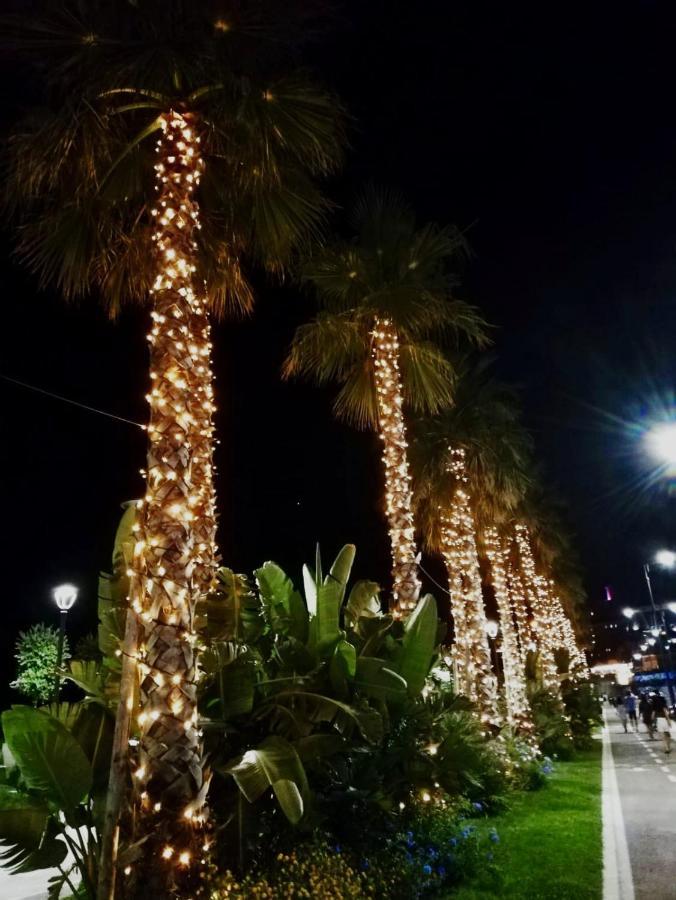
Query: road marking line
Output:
(672,778)
(617,878)
(665,769)
(638,769)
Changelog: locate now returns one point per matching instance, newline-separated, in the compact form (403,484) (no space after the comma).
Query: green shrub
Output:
(552,727)
(583,709)
(36,655)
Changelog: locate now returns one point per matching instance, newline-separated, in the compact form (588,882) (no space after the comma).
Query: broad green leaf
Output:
(414,657)
(87,676)
(342,667)
(342,567)
(232,612)
(376,680)
(345,716)
(315,747)
(23,822)
(51,760)
(273,764)
(363,601)
(330,596)
(310,587)
(233,678)
(284,608)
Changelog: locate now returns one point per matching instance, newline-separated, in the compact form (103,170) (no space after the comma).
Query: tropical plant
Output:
(385,304)
(238,145)
(55,765)
(37,654)
(295,684)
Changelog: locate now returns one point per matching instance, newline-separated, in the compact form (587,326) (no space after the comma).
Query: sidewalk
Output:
(645,812)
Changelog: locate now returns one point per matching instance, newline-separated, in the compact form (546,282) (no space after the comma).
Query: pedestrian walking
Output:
(621,710)
(662,720)
(630,708)
(645,709)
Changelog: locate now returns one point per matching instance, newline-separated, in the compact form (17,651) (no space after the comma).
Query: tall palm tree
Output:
(169,151)
(470,465)
(385,304)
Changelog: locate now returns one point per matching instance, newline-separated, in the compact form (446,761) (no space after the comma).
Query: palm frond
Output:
(427,377)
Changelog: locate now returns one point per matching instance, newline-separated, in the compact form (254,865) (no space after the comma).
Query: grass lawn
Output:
(550,840)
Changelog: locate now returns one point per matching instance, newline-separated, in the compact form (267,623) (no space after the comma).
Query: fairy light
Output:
(518,711)
(399,495)
(517,597)
(537,593)
(174,557)
(472,655)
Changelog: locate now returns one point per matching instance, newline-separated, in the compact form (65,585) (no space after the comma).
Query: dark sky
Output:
(549,128)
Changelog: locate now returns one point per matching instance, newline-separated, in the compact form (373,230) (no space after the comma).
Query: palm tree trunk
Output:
(174,554)
(473,653)
(537,592)
(518,712)
(517,596)
(399,494)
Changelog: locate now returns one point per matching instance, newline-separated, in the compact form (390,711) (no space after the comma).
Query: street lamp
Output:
(65,596)
(628,612)
(661,443)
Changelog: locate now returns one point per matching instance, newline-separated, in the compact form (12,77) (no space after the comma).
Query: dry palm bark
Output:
(175,549)
(518,711)
(472,652)
(399,494)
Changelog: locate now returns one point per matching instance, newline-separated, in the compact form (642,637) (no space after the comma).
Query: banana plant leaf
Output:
(233,675)
(330,596)
(283,606)
(342,667)
(232,612)
(344,716)
(51,761)
(374,679)
(414,657)
(364,600)
(316,747)
(273,764)
(25,844)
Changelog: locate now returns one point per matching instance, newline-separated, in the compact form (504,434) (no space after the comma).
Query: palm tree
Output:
(385,302)
(470,464)
(100,210)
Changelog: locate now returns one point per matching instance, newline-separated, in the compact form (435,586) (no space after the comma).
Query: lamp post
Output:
(65,596)
(666,559)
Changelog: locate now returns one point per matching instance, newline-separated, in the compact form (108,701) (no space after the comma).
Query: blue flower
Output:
(338,848)
(453,842)
(432,852)
(441,871)
(477,806)
(364,863)
(494,836)
(427,869)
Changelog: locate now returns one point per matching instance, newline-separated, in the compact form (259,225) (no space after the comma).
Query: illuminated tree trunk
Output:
(565,636)
(472,652)
(517,597)
(537,592)
(398,491)
(518,710)
(175,550)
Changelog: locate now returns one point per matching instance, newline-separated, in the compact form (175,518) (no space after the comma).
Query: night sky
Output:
(548,131)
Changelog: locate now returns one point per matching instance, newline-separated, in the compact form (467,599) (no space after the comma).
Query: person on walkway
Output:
(662,720)
(621,710)
(645,709)
(630,707)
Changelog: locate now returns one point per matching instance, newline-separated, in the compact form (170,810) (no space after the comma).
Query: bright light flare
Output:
(666,558)
(660,442)
(628,612)
(65,596)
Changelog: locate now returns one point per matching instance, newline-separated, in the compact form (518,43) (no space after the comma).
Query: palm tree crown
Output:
(392,270)
(80,168)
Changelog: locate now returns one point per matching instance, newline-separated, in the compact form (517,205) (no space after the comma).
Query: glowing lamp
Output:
(666,558)
(628,612)
(661,443)
(65,596)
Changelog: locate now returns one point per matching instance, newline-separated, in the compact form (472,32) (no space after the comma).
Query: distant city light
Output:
(628,612)
(637,656)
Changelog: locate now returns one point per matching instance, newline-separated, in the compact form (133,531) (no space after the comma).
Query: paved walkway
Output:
(642,812)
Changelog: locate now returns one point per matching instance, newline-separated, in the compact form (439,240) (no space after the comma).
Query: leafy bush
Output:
(37,656)
(552,727)
(583,709)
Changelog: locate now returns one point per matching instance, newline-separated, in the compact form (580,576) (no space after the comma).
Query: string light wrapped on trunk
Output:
(518,710)
(537,592)
(174,554)
(398,490)
(471,653)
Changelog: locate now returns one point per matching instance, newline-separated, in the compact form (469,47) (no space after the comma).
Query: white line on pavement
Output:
(617,879)
(672,778)
(665,769)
